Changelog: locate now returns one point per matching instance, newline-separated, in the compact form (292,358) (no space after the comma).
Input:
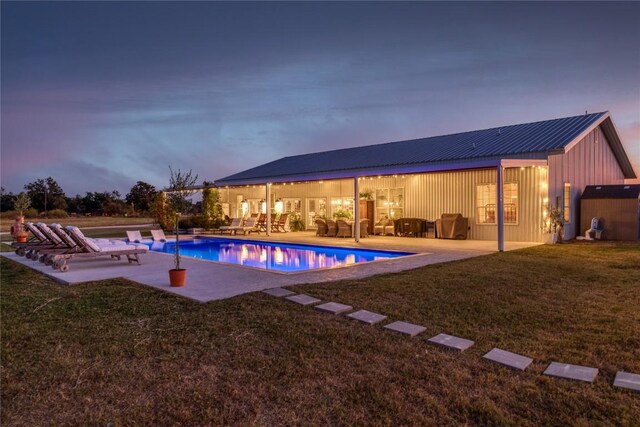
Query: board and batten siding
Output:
(428,196)
(590,162)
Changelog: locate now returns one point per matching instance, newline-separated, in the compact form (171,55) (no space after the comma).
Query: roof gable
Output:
(537,137)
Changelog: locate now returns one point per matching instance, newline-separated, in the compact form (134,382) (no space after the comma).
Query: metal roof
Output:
(531,140)
(611,192)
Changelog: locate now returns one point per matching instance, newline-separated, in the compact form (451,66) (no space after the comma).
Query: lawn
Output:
(82,222)
(120,353)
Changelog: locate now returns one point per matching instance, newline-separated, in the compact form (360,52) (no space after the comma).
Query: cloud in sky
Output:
(101,95)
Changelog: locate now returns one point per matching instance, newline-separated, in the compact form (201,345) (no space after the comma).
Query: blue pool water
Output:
(283,257)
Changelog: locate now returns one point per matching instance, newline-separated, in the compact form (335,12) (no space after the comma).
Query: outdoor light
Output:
(263,206)
(279,206)
(245,207)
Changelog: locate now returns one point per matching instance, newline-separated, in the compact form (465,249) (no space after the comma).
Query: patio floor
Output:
(208,281)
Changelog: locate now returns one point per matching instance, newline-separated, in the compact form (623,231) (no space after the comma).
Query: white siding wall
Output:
(589,162)
(430,195)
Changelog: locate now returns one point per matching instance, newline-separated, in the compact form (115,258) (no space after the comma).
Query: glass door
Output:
(315,208)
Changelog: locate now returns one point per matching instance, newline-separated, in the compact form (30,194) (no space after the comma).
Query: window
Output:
(341,204)
(486,203)
(389,203)
(567,202)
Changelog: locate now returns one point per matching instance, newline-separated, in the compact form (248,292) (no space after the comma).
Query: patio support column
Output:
(268,202)
(356,209)
(500,206)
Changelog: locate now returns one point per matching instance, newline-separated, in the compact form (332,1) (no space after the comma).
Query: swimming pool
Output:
(283,257)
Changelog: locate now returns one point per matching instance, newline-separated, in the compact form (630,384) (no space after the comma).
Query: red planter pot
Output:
(178,278)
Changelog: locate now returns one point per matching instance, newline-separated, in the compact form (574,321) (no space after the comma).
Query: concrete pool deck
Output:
(209,281)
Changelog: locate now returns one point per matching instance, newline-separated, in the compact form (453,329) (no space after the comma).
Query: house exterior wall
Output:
(426,196)
(590,162)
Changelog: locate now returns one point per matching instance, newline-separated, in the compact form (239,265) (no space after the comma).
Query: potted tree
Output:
(21,204)
(555,226)
(178,192)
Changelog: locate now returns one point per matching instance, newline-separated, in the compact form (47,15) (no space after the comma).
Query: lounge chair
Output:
(249,226)
(332,228)
(91,248)
(281,224)
(261,224)
(235,222)
(321,227)
(37,240)
(134,236)
(158,236)
(344,228)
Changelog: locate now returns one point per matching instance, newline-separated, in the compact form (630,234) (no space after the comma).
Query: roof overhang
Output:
(396,170)
(613,137)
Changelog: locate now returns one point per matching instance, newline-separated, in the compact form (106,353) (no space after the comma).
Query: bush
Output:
(29,213)
(57,213)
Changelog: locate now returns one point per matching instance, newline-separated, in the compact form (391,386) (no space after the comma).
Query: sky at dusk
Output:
(99,95)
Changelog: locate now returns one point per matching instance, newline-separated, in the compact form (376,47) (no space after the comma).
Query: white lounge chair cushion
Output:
(35,230)
(120,248)
(53,236)
(158,235)
(134,236)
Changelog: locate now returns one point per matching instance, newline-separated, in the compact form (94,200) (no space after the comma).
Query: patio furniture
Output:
(235,222)
(332,228)
(136,237)
(158,236)
(281,224)
(364,228)
(261,224)
(248,227)
(90,248)
(344,228)
(383,227)
(321,227)
(414,227)
(452,226)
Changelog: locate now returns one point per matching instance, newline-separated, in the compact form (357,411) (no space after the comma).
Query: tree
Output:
(211,208)
(22,203)
(46,194)
(180,190)
(6,200)
(141,196)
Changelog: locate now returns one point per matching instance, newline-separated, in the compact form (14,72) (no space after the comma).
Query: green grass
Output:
(82,222)
(117,352)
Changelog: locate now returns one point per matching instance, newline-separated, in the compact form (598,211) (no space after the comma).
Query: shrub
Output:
(57,213)
(163,212)
(295,222)
(29,213)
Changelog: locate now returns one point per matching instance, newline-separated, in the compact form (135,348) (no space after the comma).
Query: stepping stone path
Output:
(571,372)
(450,341)
(627,380)
(333,307)
(368,317)
(279,292)
(406,328)
(303,299)
(506,358)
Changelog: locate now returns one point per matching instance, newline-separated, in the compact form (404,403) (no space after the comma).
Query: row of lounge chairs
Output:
(340,228)
(55,245)
(255,224)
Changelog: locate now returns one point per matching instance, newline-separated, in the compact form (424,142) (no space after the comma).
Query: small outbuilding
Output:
(618,206)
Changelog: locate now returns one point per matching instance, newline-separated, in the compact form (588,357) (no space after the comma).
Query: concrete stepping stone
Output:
(333,307)
(571,372)
(627,380)
(406,328)
(368,317)
(506,358)
(450,341)
(278,292)
(303,299)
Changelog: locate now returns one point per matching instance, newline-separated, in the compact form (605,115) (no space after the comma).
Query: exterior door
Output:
(316,207)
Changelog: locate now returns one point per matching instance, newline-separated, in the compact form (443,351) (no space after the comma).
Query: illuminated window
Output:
(486,203)
(567,202)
